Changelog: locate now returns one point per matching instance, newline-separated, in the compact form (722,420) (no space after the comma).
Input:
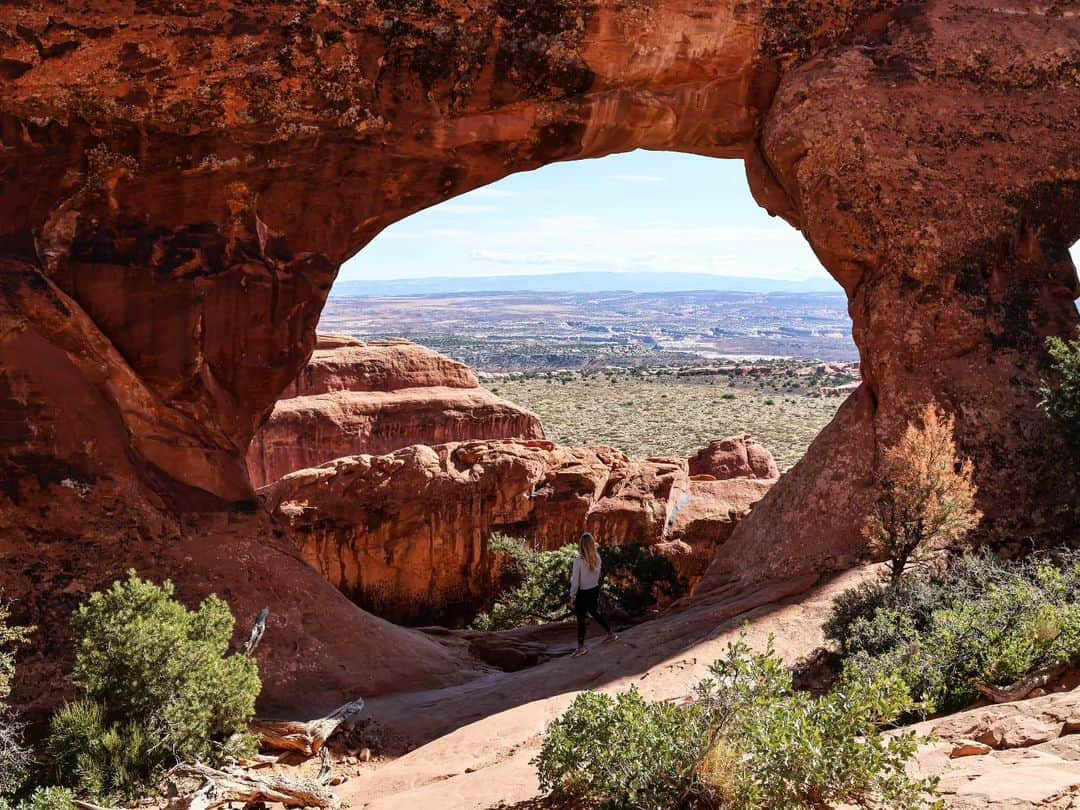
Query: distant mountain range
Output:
(580,283)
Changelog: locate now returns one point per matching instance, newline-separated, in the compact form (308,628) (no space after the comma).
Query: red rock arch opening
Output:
(180,186)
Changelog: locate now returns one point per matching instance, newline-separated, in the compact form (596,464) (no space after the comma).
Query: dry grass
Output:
(668,416)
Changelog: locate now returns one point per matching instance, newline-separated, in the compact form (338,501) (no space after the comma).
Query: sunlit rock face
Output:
(354,398)
(181,182)
(405,535)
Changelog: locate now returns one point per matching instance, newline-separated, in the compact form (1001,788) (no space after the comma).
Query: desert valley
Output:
(271,537)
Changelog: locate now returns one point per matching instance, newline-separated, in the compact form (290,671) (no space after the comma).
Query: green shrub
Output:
(49,798)
(634,577)
(1060,400)
(14,756)
(796,751)
(982,620)
(624,751)
(157,684)
(542,584)
(748,740)
(638,580)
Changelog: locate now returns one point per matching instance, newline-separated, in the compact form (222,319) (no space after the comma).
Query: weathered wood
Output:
(1024,687)
(235,785)
(326,768)
(306,737)
(257,632)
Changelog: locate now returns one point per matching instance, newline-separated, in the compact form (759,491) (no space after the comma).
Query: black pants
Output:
(584,605)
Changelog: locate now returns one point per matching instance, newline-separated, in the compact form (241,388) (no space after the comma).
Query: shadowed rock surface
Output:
(376,398)
(181,182)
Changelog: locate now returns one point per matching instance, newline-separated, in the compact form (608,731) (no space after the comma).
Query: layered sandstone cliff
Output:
(374,398)
(182,180)
(405,535)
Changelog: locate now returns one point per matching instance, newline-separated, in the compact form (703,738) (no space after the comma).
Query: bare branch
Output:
(257,632)
(1022,688)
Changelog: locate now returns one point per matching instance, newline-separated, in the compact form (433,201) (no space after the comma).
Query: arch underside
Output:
(180,191)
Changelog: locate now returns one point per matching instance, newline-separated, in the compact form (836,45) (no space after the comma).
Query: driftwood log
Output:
(235,785)
(1022,688)
(307,737)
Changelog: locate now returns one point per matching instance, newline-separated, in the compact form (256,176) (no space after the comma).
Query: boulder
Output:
(735,457)
(345,364)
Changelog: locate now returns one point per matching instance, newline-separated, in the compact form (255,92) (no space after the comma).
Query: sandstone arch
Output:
(182,179)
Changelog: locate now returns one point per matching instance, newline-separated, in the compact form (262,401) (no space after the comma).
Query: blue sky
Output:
(642,211)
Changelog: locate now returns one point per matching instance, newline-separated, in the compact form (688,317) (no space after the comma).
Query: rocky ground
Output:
(468,747)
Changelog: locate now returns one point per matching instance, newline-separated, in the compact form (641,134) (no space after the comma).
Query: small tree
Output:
(543,580)
(157,685)
(927,501)
(1061,401)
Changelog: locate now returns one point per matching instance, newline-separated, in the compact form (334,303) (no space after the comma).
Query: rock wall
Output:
(377,398)
(920,167)
(405,535)
(181,182)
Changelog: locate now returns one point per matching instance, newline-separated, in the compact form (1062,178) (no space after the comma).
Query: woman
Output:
(585,590)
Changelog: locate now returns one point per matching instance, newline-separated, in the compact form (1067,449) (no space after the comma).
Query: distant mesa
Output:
(378,397)
(584,282)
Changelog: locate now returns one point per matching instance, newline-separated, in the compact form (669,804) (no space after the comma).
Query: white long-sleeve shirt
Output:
(583,578)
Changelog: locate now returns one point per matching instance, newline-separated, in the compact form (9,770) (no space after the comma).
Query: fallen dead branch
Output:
(306,737)
(1024,687)
(234,785)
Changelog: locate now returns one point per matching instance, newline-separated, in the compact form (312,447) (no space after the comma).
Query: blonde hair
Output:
(587,545)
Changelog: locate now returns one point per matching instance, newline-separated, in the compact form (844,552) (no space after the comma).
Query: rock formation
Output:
(1015,755)
(181,182)
(375,398)
(405,535)
(734,457)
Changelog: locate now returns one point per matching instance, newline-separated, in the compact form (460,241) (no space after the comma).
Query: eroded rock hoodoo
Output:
(182,181)
(405,535)
(375,398)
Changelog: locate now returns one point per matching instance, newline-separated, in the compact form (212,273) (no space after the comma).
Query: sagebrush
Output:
(982,620)
(927,500)
(747,741)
